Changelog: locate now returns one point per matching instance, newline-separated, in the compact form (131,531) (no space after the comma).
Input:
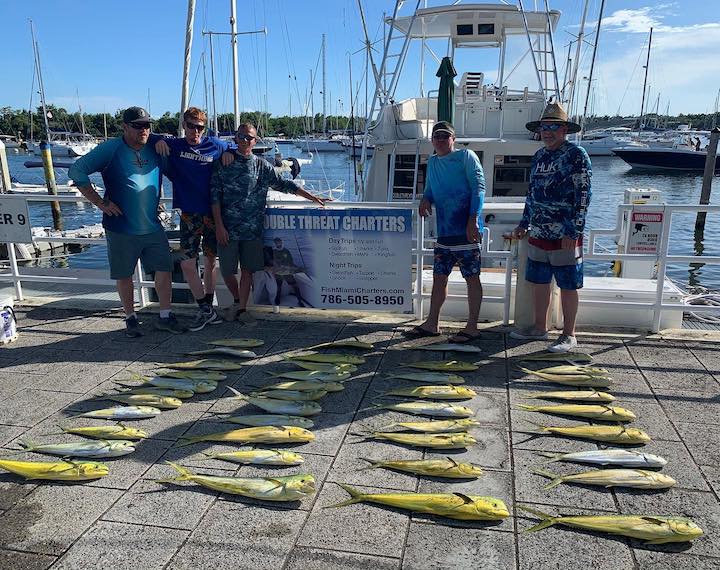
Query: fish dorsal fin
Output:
(451,460)
(465,498)
(653,520)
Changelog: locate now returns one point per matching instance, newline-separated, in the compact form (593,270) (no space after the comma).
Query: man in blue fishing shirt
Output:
(189,166)
(239,194)
(455,184)
(554,220)
(132,177)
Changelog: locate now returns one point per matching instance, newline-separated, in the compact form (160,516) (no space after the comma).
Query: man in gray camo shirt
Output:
(239,195)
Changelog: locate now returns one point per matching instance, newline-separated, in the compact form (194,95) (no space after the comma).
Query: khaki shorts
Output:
(248,253)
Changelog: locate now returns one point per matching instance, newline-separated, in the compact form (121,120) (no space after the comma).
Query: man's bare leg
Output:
(569,300)
(541,302)
(437,298)
(163,286)
(126,292)
(246,278)
(190,272)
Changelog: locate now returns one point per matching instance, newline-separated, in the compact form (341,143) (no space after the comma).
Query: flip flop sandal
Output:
(467,338)
(419,332)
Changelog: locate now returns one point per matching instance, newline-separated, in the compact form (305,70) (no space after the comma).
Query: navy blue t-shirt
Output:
(189,168)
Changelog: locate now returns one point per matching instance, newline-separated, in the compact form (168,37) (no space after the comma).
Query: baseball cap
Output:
(136,115)
(443,127)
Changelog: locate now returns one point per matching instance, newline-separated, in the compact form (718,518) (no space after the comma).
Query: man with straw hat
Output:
(554,220)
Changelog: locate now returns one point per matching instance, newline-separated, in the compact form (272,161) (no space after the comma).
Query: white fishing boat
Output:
(66,144)
(601,142)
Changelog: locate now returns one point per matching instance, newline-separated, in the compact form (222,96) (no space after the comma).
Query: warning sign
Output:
(644,232)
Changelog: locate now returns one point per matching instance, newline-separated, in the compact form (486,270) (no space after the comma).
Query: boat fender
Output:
(9,325)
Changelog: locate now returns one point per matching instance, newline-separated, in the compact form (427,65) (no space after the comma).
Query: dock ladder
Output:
(543,55)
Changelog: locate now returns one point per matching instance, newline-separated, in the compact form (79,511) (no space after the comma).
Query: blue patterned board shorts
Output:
(545,261)
(467,259)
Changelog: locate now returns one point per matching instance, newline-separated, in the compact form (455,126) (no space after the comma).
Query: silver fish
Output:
(448,347)
(98,448)
(618,457)
(225,351)
(122,413)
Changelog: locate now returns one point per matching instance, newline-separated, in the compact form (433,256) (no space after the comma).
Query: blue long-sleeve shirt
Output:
(132,180)
(559,193)
(455,184)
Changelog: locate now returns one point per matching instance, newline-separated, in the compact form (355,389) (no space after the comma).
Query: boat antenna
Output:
(36,52)
(647,66)
(592,69)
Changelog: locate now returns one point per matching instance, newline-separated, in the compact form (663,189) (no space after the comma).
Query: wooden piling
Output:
(45,152)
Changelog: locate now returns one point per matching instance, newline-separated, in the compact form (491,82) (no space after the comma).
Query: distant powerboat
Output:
(602,142)
(653,158)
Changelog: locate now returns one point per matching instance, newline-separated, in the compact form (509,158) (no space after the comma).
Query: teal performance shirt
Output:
(455,185)
(132,180)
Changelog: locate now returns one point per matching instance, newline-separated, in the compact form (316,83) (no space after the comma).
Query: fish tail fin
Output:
(27,445)
(355,497)
(539,427)
(373,464)
(555,479)
(61,432)
(526,407)
(184,474)
(547,520)
(553,456)
(183,441)
(373,407)
(526,370)
(238,395)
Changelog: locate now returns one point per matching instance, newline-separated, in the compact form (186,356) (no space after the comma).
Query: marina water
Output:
(611,176)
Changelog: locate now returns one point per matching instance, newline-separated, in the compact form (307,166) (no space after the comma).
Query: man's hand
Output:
(222,235)
(471,231)
(568,243)
(320,201)
(518,233)
(162,148)
(110,208)
(425,208)
(227,158)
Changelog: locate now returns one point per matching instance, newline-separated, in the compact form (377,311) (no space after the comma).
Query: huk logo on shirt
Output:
(546,168)
(140,161)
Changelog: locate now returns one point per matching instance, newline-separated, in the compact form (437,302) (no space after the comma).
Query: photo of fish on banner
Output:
(286,276)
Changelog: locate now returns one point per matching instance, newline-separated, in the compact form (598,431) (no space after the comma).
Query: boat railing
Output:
(422,252)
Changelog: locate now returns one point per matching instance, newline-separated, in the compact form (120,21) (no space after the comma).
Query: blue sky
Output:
(116,54)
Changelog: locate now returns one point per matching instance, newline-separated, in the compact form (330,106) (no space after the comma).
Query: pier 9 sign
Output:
(14,221)
(358,258)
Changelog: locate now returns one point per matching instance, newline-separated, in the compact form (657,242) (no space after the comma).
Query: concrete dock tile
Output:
(44,360)
(692,408)
(302,558)
(702,508)
(316,465)
(315,332)
(125,471)
(77,378)
(360,528)
(437,546)
(491,450)
(560,547)
(53,516)
(529,487)
(28,407)
(647,559)
(683,380)
(14,560)
(233,536)
(702,441)
(172,424)
(348,400)
(713,477)
(170,505)
(329,430)
(347,466)
(11,383)
(122,546)
(490,408)
(9,433)
(13,488)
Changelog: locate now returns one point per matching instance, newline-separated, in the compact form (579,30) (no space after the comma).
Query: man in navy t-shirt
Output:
(188,165)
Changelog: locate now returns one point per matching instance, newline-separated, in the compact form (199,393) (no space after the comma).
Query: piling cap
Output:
(136,115)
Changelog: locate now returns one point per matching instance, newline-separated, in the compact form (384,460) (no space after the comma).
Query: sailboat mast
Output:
(185,94)
(36,51)
(82,120)
(647,66)
(576,68)
(324,92)
(233,43)
(592,69)
(212,85)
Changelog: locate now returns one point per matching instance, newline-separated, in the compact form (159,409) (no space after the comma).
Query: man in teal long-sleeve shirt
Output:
(455,184)
(132,178)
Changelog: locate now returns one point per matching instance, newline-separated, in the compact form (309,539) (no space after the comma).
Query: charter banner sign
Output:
(358,258)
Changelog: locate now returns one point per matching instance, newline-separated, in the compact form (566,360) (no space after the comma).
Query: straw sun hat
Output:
(554,113)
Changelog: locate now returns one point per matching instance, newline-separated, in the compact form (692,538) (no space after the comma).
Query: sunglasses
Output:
(195,126)
(552,128)
(442,137)
(140,126)
(246,138)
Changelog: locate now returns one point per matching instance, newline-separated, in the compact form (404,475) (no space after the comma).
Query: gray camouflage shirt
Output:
(241,190)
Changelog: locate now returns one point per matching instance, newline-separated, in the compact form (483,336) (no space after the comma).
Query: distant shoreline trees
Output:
(14,121)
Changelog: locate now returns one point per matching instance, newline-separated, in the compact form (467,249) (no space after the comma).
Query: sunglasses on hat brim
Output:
(140,126)
(550,127)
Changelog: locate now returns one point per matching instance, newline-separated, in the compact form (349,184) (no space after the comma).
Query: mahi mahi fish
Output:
(632,478)
(97,449)
(556,357)
(433,392)
(260,434)
(327,358)
(443,365)
(271,420)
(429,377)
(162,402)
(580,380)
(258,457)
(122,413)
(238,342)
(339,368)
(207,364)
(610,434)
(207,375)
(274,406)
(652,528)
(591,411)
(346,343)
(118,431)
(315,375)
(56,471)
(449,505)
(446,467)
(224,351)
(292,488)
(433,409)
(617,457)
(435,426)
(448,347)
(459,440)
(573,396)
